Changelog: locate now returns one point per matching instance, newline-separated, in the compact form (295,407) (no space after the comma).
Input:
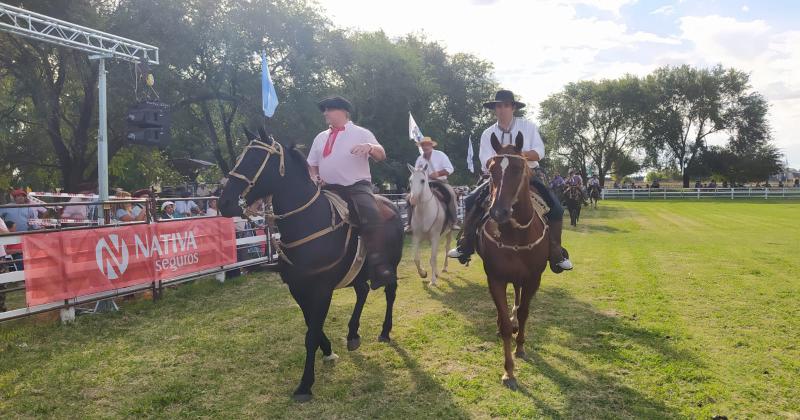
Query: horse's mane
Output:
(293,153)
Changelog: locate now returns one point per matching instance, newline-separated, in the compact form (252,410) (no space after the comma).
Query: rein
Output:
(277,149)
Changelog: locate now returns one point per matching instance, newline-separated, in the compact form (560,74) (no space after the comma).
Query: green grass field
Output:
(675,309)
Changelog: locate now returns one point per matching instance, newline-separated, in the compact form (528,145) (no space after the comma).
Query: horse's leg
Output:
(448,238)
(362,290)
(415,239)
(498,292)
(514,319)
(524,310)
(435,235)
(391,294)
(316,306)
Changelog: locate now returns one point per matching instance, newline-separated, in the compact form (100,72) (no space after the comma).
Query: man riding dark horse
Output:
(507,128)
(339,158)
(575,180)
(437,166)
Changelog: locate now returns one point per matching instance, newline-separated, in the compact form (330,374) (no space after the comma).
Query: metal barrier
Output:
(700,193)
(253,249)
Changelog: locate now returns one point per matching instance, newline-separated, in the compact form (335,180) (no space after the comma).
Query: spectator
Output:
(21,215)
(14,250)
(697,184)
(144,194)
(797,182)
(212,208)
(724,183)
(186,208)
(168,210)
(126,212)
(656,184)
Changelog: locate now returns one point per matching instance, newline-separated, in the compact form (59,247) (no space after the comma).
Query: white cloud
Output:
(663,10)
(771,57)
(745,8)
(539,46)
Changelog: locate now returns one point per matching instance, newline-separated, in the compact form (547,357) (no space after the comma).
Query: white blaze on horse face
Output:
(503,166)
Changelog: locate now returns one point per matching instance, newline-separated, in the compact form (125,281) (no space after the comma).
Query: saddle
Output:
(442,192)
(340,216)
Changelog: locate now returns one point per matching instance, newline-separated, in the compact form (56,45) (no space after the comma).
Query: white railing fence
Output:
(700,193)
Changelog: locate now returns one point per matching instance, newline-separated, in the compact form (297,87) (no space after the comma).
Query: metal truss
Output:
(55,31)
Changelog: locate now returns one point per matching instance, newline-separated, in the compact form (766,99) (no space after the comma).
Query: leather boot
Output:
(466,244)
(559,257)
(381,272)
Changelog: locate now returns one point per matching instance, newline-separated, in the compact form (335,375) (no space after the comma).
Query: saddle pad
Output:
(539,205)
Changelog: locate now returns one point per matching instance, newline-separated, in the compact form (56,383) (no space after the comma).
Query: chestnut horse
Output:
(514,244)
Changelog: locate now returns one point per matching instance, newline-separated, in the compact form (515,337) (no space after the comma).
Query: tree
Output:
(687,105)
(593,123)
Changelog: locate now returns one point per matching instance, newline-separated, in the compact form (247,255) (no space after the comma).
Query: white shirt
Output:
(530,135)
(438,161)
(342,167)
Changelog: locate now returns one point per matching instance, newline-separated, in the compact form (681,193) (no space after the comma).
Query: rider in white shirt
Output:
(437,166)
(506,129)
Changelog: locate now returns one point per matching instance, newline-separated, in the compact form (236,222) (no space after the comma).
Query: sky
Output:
(538,46)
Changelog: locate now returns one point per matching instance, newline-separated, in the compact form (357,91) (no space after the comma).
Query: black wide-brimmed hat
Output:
(503,96)
(335,102)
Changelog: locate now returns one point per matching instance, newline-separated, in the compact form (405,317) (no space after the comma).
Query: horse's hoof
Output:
(444,270)
(301,398)
(384,339)
(423,274)
(354,344)
(520,355)
(510,383)
(330,358)
(514,330)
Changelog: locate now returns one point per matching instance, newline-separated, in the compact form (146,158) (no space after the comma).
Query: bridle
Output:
(519,186)
(272,149)
(495,239)
(277,149)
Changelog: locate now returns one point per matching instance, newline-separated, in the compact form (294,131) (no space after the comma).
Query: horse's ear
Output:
(410,168)
(264,136)
(519,141)
(249,134)
(495,143)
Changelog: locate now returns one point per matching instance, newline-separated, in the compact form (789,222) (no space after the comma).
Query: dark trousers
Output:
(370,222)
(482,191)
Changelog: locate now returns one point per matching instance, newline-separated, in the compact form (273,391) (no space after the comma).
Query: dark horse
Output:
(594,195)
(514,244)
(318,247)
(573,199)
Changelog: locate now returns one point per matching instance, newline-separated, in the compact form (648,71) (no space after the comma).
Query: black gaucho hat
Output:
(335,102)
(503,96)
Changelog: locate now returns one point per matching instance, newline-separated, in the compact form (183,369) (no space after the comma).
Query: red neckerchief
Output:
(331,139)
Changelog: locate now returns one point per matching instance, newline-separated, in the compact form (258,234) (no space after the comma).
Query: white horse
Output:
(428,220)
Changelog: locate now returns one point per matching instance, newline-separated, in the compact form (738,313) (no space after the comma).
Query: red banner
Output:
(63,265)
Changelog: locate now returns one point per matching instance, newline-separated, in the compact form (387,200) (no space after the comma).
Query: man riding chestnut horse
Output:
(506,129)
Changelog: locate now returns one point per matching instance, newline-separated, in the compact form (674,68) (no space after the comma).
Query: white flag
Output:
(414,133)
(470,156)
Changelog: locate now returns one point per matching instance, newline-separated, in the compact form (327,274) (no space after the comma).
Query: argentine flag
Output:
(269,99)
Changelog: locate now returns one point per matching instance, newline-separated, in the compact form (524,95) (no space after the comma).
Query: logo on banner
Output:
(112,259)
